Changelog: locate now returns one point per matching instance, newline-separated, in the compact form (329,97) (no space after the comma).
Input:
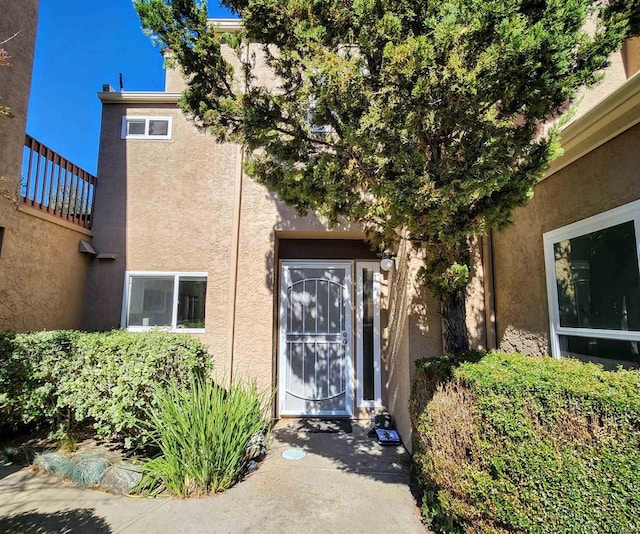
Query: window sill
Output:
(165,329)
(146,138)
(369,404)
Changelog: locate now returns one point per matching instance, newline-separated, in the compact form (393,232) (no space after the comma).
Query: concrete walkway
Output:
(345,483)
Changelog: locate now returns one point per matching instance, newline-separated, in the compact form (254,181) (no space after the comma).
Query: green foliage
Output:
(202,431)
(432,373)
(60,379)
(518,444)
(432,108)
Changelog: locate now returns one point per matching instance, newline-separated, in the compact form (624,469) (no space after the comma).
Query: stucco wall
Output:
(15,85)
(162,205)
(173,206)
(42,274)
(413,331)
(605,178)
(631,56)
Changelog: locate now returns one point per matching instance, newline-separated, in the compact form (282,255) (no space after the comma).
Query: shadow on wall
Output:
(409,319)
(414,331)
(318,328)
(103,295)
(81,521)
(475,305)
(396,343)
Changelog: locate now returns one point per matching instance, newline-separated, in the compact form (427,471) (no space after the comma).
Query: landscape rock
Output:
(256,446)
(251,467)
(121,478)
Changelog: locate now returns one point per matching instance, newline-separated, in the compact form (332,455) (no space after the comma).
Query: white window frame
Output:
(126,295)
(377,380)
(626,213)
(147,119)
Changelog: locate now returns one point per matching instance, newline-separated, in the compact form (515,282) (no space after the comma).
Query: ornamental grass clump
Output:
(83,468)
(202,431)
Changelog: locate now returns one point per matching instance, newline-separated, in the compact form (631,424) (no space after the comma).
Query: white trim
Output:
(600,221)
(282,359)
(377,380)
(227,25)
(139,97)
(627,213)
(126,295)
(613,115)
(147,121)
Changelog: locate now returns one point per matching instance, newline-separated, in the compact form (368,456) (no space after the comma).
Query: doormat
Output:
(325,426)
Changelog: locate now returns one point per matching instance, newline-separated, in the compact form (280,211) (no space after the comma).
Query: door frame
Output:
(347,265)
(376,402)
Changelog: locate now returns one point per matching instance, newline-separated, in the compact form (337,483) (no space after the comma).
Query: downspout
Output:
(489,292)
(235,247)
(235,253)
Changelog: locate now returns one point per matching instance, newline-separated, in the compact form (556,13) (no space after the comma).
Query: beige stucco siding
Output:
(172,205)
(165,205)
(263,217)
(189,207)
(603,179)
(42,274)
(184,205)
(631,56)
(413,331)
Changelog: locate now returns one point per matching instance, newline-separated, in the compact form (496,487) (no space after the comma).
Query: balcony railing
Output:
(56,186)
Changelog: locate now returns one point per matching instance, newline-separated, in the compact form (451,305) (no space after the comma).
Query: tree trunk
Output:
(454,322)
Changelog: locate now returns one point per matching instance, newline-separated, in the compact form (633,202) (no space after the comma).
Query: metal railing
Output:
(56,186)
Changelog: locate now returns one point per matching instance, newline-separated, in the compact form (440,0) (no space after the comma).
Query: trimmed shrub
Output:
(203,431)
(518,444)
(64,378)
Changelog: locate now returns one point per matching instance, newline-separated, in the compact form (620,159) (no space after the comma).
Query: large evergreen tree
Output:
(418,119)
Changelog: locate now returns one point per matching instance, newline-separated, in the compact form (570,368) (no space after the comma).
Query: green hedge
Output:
(62,379)
(509,443)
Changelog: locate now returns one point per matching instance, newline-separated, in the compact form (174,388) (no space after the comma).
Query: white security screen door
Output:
(315,339)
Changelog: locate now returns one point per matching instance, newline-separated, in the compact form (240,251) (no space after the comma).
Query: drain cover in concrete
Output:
(293,454)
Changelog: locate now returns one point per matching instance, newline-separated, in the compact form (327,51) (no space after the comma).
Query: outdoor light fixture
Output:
(388,262)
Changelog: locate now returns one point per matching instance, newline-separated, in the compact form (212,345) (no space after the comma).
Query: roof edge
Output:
(227,25)
(610,117)
(138,97)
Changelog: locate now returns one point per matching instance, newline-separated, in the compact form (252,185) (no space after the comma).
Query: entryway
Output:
(328,308)
(346,482)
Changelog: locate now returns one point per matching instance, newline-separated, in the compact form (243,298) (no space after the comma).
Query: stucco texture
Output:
(631,56)
(42,274)
(162,205)
(185,204)
(605,178)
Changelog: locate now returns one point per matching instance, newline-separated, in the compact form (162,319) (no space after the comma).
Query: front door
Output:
(315,339)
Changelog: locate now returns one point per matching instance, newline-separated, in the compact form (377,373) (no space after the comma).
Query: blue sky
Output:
(80,45)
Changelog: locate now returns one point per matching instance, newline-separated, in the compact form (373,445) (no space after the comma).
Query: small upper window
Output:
(146,128)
